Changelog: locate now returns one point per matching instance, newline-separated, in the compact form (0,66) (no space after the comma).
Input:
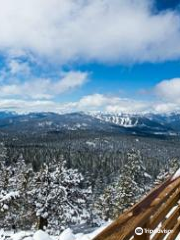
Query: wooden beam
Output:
(164,209)
(145,235)
(168,224)
(124,227)
(175,232)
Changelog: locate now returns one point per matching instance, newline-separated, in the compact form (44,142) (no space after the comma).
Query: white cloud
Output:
(166,107)
(70,80)
(108,103)
(23,106)
(95,102)
(114,104)
(96,30)
(16,67)
(44,88)
(169,90)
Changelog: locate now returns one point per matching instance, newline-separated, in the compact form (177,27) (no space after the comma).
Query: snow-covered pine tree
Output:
(174,165)
(21,181)
(59,197)
(13,198)
(167,170)
(3,167)
(105,204)
(7,195)
(161,177)
(132,183)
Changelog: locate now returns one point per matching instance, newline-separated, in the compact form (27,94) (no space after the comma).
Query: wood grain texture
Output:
(148,213)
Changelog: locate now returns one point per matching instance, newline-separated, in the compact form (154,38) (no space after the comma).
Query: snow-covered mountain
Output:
(156,123)
(119,123)
(124,120)
(141,120)
(45,122)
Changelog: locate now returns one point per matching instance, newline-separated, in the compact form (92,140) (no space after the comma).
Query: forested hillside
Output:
(78,178)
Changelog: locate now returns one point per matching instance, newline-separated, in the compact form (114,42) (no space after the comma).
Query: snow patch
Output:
(40,235)
(20,236)
(9,196)
(89,143)
(67,235)
(124,120)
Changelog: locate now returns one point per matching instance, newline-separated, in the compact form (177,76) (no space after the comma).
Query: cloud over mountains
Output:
(120,31)
(69,33)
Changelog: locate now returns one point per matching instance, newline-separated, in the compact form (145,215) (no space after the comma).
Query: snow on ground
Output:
(66,235)
(41,235)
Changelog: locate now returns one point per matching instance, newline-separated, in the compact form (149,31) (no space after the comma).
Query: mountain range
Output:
(155,124)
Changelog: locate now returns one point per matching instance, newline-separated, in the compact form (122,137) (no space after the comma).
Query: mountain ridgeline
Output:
(133,124)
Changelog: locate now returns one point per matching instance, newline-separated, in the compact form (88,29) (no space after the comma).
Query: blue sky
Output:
(99,55)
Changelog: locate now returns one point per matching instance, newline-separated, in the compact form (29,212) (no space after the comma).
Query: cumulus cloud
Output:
(169,90)
(89,103)
(95,101)
(24,106)
(44,88)
(120,31)
(108,103)
(168,101)
(16,67)
(40,95)
(166,107)
(115,104)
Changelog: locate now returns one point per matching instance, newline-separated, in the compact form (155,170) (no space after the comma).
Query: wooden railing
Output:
(159,210)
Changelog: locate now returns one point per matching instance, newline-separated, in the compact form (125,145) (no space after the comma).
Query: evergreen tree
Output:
(4,173)
(162,176)
(105,204)
(167,170)
(132,183)
(59,197)
(13,197)
(174,165)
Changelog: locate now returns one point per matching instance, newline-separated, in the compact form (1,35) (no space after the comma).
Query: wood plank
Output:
(168,224)
(164,209)
(144,236)
(123,228)
(175,232)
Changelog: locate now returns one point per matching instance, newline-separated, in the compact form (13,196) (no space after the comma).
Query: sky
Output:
(90,55)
